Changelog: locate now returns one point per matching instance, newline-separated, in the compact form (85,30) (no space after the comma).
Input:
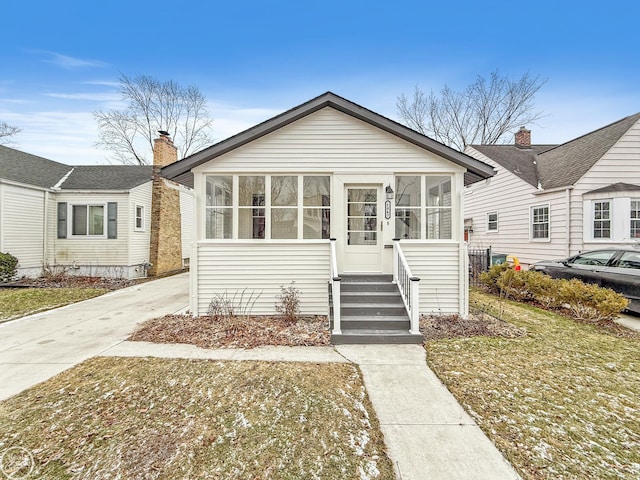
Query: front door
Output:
(363,243)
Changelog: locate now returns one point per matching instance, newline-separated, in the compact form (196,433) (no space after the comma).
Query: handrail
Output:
(408,284)
(334,281)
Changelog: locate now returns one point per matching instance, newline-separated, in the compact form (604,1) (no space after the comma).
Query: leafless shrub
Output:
(288,303)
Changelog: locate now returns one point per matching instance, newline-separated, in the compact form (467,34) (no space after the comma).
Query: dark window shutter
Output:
(112,220)
(62,220)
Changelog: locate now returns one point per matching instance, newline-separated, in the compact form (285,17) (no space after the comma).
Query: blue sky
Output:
(61,60)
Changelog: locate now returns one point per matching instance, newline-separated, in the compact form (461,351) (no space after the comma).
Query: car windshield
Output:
(600,257)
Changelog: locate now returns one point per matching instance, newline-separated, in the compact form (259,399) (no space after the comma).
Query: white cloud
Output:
(68,62)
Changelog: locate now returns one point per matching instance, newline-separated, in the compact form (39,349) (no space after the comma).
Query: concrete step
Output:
(375,337)
(372,309)
(390,298)
(387,322)
(368,287)
(366,277)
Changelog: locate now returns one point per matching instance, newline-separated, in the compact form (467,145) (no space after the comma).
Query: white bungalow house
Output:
(269,200)
(86,220)
(554,201)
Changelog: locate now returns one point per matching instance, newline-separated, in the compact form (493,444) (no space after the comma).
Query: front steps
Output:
(372,312)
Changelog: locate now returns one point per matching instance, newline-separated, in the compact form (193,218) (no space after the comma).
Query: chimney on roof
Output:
(164,151)
(523,138)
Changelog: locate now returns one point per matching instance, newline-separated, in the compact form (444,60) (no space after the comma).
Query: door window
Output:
(362,216)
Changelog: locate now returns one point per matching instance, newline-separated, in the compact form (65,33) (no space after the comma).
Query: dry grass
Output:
(234,332)
(561,402)
(18,302)
(174,419)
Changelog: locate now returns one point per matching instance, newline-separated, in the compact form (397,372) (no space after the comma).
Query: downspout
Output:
(45,233)
(567,198)
(463,259)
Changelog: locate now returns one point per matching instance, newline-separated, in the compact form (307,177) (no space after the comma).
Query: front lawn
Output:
(18,302)
(173,419)
(561,402)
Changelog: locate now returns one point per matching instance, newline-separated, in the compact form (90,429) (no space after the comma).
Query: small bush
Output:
(288,303)
(590,302)
(490,278)
(239,304)
(8,266)
(513,284)
(544,289)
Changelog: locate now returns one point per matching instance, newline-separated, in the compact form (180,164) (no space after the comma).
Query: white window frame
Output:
(548,222)
(594,220)
(631,219)
(71,218)
(142,226)
(493,230)
(299,207)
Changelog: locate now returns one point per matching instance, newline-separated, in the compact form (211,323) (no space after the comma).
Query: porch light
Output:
(389,191)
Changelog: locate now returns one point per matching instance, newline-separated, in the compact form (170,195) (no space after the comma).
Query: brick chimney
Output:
(523,138)
(164,151)
(165,249)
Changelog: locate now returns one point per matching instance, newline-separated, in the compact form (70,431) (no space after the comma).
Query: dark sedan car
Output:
(617,269)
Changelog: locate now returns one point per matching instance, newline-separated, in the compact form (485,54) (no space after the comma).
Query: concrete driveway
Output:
(37,347)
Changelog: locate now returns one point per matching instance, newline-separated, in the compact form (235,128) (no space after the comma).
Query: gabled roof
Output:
(554,166)
(565,164)
(519,161)
(23,167)
(181,171)
(617,187)
(30,169)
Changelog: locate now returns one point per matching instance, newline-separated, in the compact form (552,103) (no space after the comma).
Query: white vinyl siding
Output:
(89,251)
(186,215)
(329,141)
(139,239)
(619,164)
(259,269)
(437,267)
(22,226)
(326,142)
(515,197)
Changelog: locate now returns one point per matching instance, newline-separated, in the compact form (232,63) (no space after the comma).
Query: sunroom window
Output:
(602,219)
(275,207)
(423,207)
(219,207)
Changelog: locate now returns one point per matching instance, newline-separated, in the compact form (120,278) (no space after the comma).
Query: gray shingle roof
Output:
(617,187)
(107,177)
(519,161)
(23,167)
(554,166)
(565,164)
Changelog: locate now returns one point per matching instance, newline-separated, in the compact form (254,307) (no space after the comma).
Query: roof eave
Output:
(327,100)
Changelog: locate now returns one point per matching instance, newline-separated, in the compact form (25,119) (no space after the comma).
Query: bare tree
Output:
(153,105)
(483,113)
(6,132)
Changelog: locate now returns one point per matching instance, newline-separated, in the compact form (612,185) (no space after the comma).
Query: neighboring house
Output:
(553,201)
(268,200)
(88,220)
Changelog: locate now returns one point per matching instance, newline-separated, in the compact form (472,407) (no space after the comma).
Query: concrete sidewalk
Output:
(427,433)
(37,347)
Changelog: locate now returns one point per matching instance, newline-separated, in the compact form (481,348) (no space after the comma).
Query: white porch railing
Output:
(408,286)
(334,281)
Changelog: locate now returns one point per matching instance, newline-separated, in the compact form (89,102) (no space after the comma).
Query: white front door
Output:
(363,229)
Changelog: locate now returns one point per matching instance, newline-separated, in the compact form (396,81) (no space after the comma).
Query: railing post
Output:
(396,243)
(335,287)
(336,305)
(415,305)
